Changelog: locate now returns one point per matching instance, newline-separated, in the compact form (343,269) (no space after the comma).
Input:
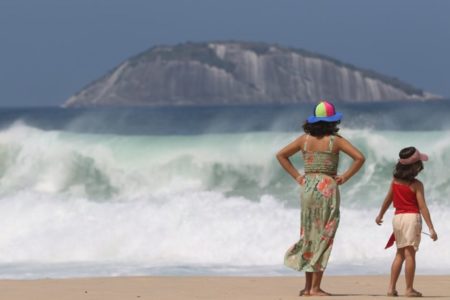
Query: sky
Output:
(50,49)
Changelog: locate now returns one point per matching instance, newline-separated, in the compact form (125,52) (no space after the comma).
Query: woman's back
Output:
(318,155)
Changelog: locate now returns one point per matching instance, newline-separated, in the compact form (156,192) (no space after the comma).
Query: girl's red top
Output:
(405,200)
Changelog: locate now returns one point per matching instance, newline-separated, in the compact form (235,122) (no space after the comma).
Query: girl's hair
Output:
(321,128)
(407,172)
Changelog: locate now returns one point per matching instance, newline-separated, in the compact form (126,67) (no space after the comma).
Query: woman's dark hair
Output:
(321,128)
(407,172)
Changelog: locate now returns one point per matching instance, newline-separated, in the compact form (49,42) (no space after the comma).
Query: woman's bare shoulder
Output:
(300,140)
(339,140)
(338,137)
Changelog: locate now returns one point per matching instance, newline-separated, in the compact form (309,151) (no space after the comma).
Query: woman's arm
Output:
(358,159)
(384,207)
(424,209)
(284,154)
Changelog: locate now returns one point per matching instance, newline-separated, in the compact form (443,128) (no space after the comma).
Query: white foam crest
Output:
(197,228)
(193,229)
(54,162)
(125,168)
(42,161)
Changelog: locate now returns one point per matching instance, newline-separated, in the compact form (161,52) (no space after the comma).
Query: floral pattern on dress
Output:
(325,186)
(320,201)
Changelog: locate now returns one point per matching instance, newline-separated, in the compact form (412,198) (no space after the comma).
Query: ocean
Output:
(198,191)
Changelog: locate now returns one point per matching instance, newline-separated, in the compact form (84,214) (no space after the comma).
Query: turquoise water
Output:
(103,204)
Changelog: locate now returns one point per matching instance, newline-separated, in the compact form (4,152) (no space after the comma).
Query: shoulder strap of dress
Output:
(305,143)
(331,143)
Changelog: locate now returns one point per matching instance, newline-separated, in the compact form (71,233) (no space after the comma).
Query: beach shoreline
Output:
(212,287)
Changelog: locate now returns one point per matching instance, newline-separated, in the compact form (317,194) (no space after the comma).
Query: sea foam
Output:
(79,204)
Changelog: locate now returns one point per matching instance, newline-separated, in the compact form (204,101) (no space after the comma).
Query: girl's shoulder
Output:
(410,184)
(415,181)
(417,185)
(414,185)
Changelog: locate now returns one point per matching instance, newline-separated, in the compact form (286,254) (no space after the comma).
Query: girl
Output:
(320,146)
(407,194)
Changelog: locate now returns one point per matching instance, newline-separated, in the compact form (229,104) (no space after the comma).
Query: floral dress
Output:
(319,216)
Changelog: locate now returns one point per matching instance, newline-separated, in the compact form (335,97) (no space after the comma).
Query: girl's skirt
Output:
(407,230)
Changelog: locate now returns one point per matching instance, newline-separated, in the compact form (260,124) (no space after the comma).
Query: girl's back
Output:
(404,198)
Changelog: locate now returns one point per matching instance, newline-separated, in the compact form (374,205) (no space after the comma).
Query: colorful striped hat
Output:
(326,112)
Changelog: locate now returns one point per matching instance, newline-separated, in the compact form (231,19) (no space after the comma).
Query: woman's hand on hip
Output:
(300,179)
(340,179)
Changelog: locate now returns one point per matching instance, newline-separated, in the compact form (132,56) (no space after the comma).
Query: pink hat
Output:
(413,158)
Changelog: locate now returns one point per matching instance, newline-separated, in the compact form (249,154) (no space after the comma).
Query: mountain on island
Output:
(221,73)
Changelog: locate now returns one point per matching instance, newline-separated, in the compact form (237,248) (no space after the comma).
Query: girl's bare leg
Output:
(396,268)
(410,269)
(308,284)
(315,288)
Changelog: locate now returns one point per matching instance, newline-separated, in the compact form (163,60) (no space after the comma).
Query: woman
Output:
(320,199)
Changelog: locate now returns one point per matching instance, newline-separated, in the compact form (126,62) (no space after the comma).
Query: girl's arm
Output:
(384,207)
(355,154)
(284,154)
(424,209)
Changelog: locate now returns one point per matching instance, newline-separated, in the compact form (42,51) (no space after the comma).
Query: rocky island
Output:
(222,73)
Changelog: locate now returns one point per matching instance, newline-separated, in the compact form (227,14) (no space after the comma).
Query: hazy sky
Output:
(50,49)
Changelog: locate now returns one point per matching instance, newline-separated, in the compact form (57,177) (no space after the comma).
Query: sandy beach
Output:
(245,288)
